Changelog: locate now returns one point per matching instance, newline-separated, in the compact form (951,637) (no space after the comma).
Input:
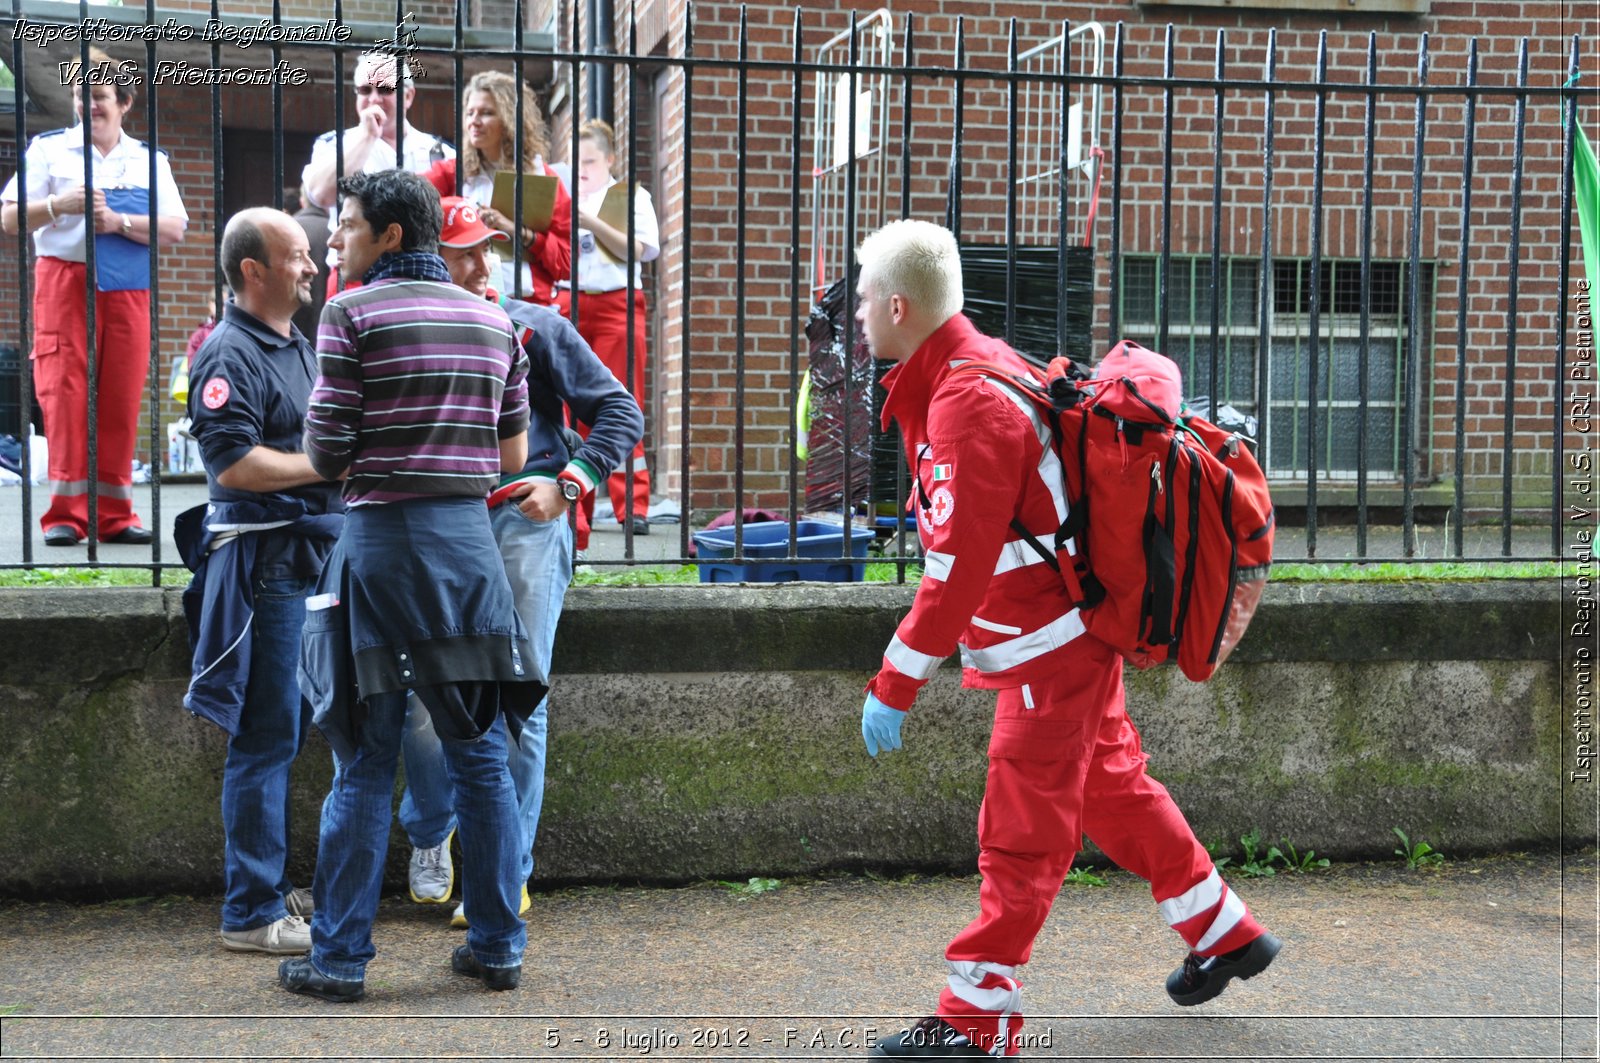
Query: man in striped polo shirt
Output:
(420,404)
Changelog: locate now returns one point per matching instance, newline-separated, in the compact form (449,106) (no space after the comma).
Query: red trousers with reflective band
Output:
(603,323)
(1065,761)
(61,381)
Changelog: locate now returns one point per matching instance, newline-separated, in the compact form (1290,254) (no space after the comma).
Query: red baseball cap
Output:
(463,227)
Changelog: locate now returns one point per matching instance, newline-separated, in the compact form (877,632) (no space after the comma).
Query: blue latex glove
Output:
(880,726)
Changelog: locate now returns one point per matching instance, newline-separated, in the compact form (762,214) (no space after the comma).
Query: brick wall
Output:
(1136,178)
(1134,185)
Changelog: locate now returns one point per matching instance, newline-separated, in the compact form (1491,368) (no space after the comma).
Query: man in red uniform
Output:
(1064,759)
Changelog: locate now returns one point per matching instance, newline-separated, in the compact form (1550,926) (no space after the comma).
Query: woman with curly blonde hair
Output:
(489,114)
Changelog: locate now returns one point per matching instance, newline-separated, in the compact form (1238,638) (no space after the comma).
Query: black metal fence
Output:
(1377,270)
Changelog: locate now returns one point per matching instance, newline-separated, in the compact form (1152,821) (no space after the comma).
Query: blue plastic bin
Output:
(815,538)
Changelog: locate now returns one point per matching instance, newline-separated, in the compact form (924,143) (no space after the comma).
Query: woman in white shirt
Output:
(488,117)
(61,215)
(606,290)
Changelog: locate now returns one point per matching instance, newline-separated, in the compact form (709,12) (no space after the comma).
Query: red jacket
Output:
(549,257)
(979,456)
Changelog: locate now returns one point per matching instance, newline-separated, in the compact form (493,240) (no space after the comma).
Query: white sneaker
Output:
(287,937)
(432,875)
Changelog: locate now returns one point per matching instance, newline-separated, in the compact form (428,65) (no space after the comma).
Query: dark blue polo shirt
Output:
(249,387)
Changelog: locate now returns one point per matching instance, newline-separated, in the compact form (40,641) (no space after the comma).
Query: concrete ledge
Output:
(714,732)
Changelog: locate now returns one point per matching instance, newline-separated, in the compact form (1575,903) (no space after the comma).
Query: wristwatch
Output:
(570,491)
(127,225)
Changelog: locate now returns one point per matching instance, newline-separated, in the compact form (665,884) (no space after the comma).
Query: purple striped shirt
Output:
(417,383)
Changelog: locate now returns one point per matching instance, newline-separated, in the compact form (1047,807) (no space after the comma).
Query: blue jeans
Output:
(255,779)
(355,842)
(538,559)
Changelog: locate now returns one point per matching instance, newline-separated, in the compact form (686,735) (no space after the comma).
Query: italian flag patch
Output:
(942,472)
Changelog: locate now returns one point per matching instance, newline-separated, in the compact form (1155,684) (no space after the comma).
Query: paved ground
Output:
(668,541)
(1478,960)
(607,543)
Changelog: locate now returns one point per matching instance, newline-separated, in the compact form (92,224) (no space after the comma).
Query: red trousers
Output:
(603,323)
(1065,761)
(61,380)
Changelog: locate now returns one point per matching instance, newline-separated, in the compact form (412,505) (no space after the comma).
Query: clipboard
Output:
(120,264)
(614,208)
(614,212)
(538,198)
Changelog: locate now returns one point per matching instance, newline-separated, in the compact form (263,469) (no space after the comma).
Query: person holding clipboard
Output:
(61,213)
(487,165)
(607,289)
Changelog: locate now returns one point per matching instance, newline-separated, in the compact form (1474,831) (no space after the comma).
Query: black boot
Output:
(932,1038)
(1203,977)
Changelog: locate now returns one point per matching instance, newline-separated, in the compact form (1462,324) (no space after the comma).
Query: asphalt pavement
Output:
(608,543)
(1490,959)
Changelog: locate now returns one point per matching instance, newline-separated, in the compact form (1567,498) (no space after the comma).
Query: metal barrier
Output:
(1287,238)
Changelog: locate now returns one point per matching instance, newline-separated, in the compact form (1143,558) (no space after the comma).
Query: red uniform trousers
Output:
(61,380)
(1064,761)
(603,324)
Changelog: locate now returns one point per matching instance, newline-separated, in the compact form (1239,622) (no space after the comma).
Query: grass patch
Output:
(174,576)
(656,575)
(1399,572)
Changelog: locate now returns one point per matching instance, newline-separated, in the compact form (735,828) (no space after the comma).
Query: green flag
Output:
(1586,183)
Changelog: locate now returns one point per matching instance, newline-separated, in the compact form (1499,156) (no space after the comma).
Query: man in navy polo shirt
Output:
(256,551)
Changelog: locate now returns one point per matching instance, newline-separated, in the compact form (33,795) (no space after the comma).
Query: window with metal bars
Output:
(1342,418)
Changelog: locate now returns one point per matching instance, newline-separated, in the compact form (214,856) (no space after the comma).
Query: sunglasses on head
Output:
(381,90)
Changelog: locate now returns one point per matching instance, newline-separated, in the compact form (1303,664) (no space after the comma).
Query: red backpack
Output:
(1168,536)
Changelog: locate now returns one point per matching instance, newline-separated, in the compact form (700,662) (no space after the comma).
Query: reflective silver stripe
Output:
(937,566)
(989,625)
(908,662)
(1198,898)
(1001,656)
(1002,1001)
(1226,920)
(68,488)
(1049,464)
(1027,696)
(1018,554)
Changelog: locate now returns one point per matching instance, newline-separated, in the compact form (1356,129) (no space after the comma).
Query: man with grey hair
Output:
(256,549)
(1064,759)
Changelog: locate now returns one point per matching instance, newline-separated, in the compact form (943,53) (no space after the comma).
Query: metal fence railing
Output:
(1377,261)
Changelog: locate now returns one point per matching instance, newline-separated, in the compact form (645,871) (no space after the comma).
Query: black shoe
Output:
(299,976)
(1203,977)
(932,1038)
(61,535)
(641,525)
(462,961)
(132,535)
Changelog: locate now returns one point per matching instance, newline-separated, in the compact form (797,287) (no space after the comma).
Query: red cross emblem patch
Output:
(940,506)
(215,395)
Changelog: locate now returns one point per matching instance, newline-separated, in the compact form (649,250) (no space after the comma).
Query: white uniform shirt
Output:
(598,271)
(54,164)
(422,151)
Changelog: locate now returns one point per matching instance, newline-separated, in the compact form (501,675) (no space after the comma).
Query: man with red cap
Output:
(529,518)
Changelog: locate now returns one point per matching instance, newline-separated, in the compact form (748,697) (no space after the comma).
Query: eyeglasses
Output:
(381,90)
